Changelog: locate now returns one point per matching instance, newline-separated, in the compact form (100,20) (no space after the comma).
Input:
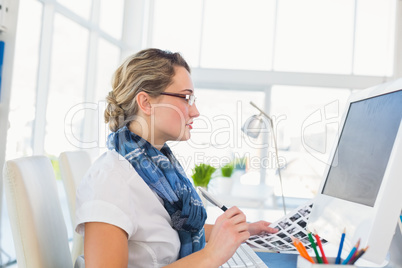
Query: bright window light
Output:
(314,36)
(375,28)
(107,63)
(177,27)
(23,94)
(238,34)
(216,136)
(111,17)
(80,7)
(67,82)
(311,36)
(308,129)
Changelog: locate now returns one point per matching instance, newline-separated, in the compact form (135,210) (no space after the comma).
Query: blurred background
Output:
(298,60)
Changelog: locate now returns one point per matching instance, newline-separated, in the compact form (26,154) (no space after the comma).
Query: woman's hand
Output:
(229,231)
(259,227)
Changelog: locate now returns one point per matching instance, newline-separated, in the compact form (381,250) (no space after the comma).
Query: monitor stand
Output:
(395,250)
(394,256)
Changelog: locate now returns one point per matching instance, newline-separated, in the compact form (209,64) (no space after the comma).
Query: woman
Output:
(135,205)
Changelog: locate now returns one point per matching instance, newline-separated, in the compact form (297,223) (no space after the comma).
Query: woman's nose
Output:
(194,111)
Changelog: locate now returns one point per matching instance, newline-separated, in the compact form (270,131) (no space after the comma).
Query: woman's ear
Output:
(143,101)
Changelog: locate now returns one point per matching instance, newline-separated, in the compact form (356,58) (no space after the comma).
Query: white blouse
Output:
(114,193)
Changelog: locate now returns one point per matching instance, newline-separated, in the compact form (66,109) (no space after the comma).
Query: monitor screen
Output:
(364,148)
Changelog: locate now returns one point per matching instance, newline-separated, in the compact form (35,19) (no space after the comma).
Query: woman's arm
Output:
(105,245)
(208,230)
(229,231)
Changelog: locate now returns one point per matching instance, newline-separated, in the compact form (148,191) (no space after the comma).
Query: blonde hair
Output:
(151,71)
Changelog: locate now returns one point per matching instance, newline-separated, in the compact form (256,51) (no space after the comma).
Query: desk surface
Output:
(278,260)
(286,260)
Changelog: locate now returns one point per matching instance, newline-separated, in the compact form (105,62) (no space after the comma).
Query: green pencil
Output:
(310,237)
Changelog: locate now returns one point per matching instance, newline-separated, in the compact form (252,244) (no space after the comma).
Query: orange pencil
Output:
(324,258)
(302,250)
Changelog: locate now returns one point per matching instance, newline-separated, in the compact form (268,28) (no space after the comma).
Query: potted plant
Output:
(225,181)
(202,175)
(227,170)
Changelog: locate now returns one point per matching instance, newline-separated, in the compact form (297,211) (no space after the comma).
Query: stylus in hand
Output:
(211,199)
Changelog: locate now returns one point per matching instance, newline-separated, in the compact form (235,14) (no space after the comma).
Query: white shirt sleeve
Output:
(104,196)
(113,192)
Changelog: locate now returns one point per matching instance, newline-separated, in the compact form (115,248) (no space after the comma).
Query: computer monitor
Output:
(362,187)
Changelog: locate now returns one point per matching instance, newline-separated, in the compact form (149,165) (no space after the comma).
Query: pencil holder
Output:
(303,263)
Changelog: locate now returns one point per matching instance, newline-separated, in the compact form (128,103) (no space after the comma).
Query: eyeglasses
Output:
(190,98)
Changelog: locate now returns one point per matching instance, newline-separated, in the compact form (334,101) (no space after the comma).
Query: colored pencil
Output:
(361,252)
(313,245)
(338,257)
(301,249)
(352,252)
(318,239)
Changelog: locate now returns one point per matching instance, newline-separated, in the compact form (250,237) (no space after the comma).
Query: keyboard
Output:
(244,257)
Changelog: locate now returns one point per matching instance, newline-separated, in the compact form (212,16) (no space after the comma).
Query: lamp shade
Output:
(254,125)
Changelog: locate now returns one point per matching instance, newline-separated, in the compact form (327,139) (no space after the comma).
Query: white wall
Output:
(8,36)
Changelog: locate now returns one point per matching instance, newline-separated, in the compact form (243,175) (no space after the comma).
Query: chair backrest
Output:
(73,166)
(36,219)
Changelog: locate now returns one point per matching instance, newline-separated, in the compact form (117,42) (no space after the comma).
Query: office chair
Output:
(73,166)
(36,219)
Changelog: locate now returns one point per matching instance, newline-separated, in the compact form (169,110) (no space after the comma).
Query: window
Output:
(306,132)
(177,27)
(65,41)
(22,104)
(311,36)
(216,137)
(67,81)
(238,34)
(108,61)
(314,36)
(73,73)
(80,7)
(291,38)
(375,30)
(111,17)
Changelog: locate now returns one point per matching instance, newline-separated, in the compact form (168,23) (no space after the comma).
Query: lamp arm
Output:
(263,113)
(276,150)
(279,170)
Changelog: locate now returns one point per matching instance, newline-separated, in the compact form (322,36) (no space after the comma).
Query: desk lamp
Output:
(252,128)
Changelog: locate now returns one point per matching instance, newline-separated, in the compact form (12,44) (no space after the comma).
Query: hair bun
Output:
(114,114)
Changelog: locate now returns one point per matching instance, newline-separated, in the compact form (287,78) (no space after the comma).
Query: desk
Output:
(278,260)
(286,260)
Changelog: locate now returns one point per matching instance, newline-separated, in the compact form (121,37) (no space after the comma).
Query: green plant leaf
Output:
(227,170)
(202,174)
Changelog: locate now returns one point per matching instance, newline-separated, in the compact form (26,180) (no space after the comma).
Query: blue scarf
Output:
(165,176)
